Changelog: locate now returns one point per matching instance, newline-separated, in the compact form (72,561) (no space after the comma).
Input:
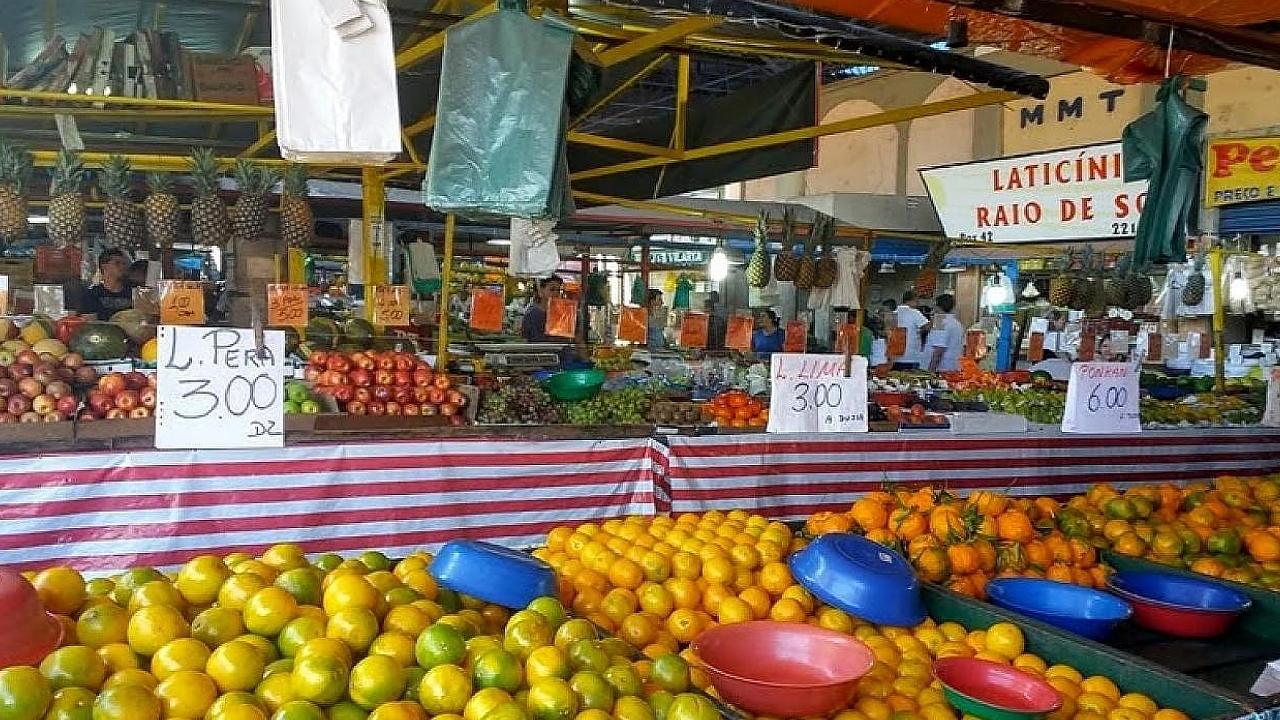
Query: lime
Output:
(594,692)
(550,608)
(187,694)
(345,710)
(444,689)
(298,632)
(126,702)
(671,673)
(552,699)
(237,665)
(102,624)
(497,668)
(298,710)
(71,703)
(217,626)
(302,583)
(74,666)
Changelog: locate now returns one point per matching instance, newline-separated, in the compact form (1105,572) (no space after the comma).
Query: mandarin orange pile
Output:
(280,637)
(964,543)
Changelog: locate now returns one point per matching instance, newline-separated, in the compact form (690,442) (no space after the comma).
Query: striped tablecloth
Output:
(103,510)
(793,476)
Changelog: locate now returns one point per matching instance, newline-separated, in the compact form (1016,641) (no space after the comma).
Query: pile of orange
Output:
(1229,528)
(282,637)
(735,408)
(964,543)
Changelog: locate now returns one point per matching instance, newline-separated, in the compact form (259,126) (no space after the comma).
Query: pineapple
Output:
(786,263)
(250,211)
(15,171)
(758,265)
(161,211)
(807,270)
(1062,285)
(1114,289)
(297,223)
(926,283)
(827,268)
(1193,291)
(66,203)
(1137,289)
(209,222)
(121,218)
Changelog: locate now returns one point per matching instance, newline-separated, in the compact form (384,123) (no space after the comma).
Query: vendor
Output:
(533,328)
(946,340)
(768,337)
(113,292)
(656,338)
(913,322)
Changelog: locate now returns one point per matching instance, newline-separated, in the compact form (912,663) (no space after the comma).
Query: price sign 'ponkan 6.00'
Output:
(1102,398)
(811,394)
(216,388)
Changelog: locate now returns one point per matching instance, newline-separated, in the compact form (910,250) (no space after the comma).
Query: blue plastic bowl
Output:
(863,578)
(1083,611)
(1165,392)
(1180,591)
(493,573)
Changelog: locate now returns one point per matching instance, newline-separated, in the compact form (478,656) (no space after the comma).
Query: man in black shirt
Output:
(114,293)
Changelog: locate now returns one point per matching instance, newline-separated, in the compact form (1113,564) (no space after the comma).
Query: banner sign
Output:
(1241,170)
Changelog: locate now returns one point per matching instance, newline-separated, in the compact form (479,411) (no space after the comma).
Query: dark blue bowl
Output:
(1165,392)
(1083,611)
(493,573)
(863,578)
(1180,592)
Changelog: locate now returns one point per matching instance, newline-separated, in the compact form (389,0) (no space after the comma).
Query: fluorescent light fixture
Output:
(1238,291)
(498,241)
(718,266)
(951,269)
(38,220)
(886,268)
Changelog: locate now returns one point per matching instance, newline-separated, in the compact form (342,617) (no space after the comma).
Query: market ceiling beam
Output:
(108,114)
(661,37)
(683,72)
(262,143)
(181,163)
(421,125)
(888,117)
(622,87)
(208,107)
(609,143)
(424,49)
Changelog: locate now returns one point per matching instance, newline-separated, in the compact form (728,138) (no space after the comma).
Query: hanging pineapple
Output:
(1114,291)
(786,263)
(1092,287)
(296,220)
(807,269)
(160,210)
(926,283)
(1193,291)
(209,222)
(66,201)
(249,213)
(827,268)
(758,265)
(15,171)
(1081,285)
(1062,285)
(1137,288)
(121,218)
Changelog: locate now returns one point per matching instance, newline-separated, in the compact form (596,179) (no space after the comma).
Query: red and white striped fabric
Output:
(106,511)
(794,476)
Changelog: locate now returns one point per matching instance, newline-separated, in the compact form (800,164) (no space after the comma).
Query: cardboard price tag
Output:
(633,324)
(1035,349)
(1102,398)
(693,330)
(811,394)
(4,294)
(975,342)
(287,305)
(215,388)
(181,302)
(487,307)
(897,345)
(737,334)
(1088,347)
(795,337)
(391,305)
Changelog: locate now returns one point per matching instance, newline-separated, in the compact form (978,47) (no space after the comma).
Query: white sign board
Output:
(1102,399)
(1271,415)
(215,388)
(1063,195)
(811,394)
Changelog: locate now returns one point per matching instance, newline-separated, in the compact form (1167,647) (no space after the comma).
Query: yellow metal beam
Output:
(37,112)
(373,214)
(442,302)
(180,163)
(889,117)
(412,151)
(255,110)
(421,125)
(613,94)
(684,68)
(609,143)
(672,33)
(262,143)
(426,48)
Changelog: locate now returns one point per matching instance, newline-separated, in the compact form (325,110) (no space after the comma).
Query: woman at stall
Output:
(768,337)
(657,338)
(533,327)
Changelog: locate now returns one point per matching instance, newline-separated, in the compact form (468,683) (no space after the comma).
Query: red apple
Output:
(429,409)
(57,389)
(67,405)
(30,387)
(147,397)
(310,373)
(140,412)
(86,375)
(344,393)
(27,357)
(363,394)
(127,400)
(442,381)
(386,362)
(377,407)
(421,377)
(402,378)
(44,376)
(72,360)
(422,365)
(402,394)
(84,416)
(116,413)
(135,381)
(7,387)
(448,409)
(363,361)
(17,371)
(411,409)
(319,358)
(18,404)
(457,420)
(384,377)
(393,408)
(361,377)
(357,407)
(421,394)
(111,383)
(436,396)
(99,402)
(30,417)
(381,393)
(404,362)
(54,416)
(337,362)
(455,397)
(44,404)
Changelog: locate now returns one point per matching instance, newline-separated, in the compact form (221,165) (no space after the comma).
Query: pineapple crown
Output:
(816,229)
(115,178)
(15,166)
(761,233)
(252,178)
(159,183)
(206,173)
(1201,254)
(68,174)
(788,231)
(295,183)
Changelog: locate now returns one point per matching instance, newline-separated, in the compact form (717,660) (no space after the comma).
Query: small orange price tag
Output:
(693,330)
(287,305)
(738,334)
(391,305)
(796,336)
(633,324)
(1035,350)
(181,302)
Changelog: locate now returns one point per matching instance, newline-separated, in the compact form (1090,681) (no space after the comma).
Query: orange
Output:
(284,556)
(593,691)
(618,604)
(126,702)
(356,626)
(201,578)
(71,704)
(759,601)
(350,591)
(686,565)
(177,655)
(118,656)
(639,629)
(153,626)
(237,590)
(403,710)
(397,646)
(552,699)
(787,610)
(217,625)
(156,592)
(655,599)
(132,676)
(376,680)
(298,710)
(235,666)
(1005,639)
(446,689)
(1102,686)
(275,691)
(719,570)
(546,661)
(713,595)
(102,624)
(186,694)
(61,589)
(689,706)
(268,611)
(775,578)
(684,624)
(74,666)
(685,593)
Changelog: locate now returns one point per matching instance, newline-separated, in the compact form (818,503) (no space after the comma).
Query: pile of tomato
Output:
(735,408)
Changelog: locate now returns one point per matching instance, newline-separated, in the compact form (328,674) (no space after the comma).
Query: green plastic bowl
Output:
(993,691)
(574,385)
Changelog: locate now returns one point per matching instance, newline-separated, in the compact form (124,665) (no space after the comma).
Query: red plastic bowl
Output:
(1177,621)
(1001,688)
(783,669)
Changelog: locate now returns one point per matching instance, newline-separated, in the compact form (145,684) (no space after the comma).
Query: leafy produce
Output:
(619,407)
(384,383)
(520,401)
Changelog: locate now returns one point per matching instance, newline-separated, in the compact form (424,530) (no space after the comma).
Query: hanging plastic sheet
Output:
(498,145)
(533,250)
(334,72)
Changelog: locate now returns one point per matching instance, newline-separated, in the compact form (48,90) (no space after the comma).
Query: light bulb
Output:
(718,266)
(1238,291)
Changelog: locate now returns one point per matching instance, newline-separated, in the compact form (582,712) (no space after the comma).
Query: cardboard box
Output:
(222,79)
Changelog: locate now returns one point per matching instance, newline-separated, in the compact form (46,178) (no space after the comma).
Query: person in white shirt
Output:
(914,323)
(946,341)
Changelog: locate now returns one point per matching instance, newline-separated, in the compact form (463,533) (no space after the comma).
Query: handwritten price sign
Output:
(811,394)
(215,388)
(287,305)
(181,302)
(1102,398)
(391,305)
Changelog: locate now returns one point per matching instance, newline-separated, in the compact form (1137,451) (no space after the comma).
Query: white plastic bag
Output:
(533,248)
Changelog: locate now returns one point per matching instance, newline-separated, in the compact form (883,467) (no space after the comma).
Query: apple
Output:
(381,393)
(356,407)
(448,409)
(363,394)
(30,417)
(44,378)
(402,394)
(403,378)
(44,403)
(67,405)
(140,412)
(386,362)
(384,377)
(421,365)
(7,358)
(99,402)
(429,409)
(111,383)
(84,416)
(30,387)
(152,380)
(393,408)
(435,396)
(421,377)
(442,381)
(455,397)
(58,388)
(404,362)
(337,362)
(72,360)
(421,394)
(361,377)
(17,371)
(457,420)
(7,387)
(127,399)
(86,375)
(377,407)
(319,358)
(65,374)
(54,416)
(27,357)
(116,413)
(135,381)
(18,404)
(310,373)
(363,361)
(147,397)
(411,409)
(344,393)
